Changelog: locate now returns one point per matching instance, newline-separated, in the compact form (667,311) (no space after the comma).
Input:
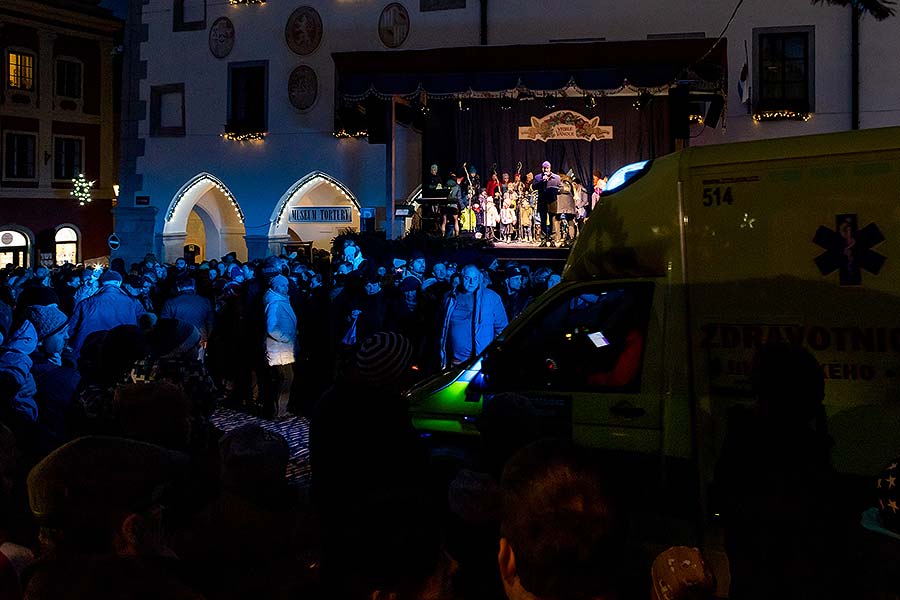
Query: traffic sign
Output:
(114,242)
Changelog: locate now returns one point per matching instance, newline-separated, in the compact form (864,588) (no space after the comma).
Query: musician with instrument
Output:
(527,202)
(468,194)
(433,181)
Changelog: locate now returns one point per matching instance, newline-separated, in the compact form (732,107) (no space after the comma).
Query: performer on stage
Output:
(451,209)
(599,185)
(493,185)
(473,183)
(433,181)
(517,187)
(547,184)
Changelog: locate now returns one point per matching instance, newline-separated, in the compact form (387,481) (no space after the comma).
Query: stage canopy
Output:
(601,68)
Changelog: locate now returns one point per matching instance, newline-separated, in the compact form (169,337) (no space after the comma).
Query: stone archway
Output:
(316,208)
(16,245)
(204,212)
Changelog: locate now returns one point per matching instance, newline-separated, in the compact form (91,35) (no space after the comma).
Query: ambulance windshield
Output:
(624,176)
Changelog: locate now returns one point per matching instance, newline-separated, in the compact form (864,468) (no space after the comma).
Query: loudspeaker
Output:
(679,112)
(377,114)
(714,112)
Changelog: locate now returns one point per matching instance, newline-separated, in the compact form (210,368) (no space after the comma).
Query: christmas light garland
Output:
(81,189)
(219,186)
(781,115)
(343,133)
(243,137)
(318,175)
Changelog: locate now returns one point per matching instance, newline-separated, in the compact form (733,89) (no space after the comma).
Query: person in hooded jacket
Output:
(280,348)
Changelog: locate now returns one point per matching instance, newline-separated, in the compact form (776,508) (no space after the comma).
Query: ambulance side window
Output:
(589,340)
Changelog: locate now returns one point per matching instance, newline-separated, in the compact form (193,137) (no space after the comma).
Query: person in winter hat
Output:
(55,377)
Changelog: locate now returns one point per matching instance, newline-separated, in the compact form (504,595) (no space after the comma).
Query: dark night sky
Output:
(119,7)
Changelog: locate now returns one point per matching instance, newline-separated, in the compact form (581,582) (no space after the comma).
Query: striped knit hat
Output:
(383,358)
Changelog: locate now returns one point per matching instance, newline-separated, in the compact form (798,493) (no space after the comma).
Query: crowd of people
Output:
(116,483)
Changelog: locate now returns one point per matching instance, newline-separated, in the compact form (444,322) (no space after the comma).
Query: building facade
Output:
(58,121)
(233,136)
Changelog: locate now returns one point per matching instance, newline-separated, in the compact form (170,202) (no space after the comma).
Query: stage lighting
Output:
(550,102)
(506,103)
(464,104)
(590,102)
(423,109)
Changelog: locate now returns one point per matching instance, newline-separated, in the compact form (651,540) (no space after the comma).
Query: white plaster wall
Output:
(879,78)
(618,21)
(259,173)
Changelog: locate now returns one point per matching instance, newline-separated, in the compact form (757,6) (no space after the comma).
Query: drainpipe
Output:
(484,29)
(854,66)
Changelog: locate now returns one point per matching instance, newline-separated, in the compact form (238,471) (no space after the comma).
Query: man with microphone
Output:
(547,184)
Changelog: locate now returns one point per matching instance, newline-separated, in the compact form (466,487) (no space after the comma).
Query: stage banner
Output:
(565,125)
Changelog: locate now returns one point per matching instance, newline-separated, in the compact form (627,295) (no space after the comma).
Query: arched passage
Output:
(16,245)
(204,213)
(314,209)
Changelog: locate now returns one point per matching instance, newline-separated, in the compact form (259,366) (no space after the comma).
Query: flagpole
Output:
(749,79)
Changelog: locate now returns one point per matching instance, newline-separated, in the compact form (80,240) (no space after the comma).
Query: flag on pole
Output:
(743,84)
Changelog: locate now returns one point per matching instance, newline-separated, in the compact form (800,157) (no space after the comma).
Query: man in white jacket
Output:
(281,348)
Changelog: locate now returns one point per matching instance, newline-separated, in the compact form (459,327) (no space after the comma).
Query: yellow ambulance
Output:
(693,261)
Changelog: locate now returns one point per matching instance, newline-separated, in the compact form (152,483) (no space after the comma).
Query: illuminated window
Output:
(68,78)
(66,246)
(21,71)
(19,156)
(67,154)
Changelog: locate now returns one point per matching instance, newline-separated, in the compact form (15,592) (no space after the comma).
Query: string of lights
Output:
(208,5)
(81,190)
(217,184)
(334,183)
(244,137)
(781,115)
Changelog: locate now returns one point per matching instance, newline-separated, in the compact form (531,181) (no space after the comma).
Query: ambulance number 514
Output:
(715,196)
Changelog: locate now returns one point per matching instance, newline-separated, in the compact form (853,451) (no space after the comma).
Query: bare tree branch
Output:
(879,9)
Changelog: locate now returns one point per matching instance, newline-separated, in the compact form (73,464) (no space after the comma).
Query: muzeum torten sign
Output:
(321,214)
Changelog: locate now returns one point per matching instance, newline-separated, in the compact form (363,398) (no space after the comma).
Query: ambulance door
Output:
(589,361)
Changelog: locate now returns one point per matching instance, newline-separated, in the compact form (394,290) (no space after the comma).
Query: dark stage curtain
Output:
(485,135)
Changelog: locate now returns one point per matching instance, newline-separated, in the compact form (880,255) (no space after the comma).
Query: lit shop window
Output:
(66,246)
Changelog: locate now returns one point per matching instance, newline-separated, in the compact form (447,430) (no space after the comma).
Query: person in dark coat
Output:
(109,307)
(777,487)
(56,379)
(189,306)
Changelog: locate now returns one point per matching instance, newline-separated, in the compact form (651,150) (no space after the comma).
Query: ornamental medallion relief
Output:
(303,87)
(303,32)
(221,37)
(393,25)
